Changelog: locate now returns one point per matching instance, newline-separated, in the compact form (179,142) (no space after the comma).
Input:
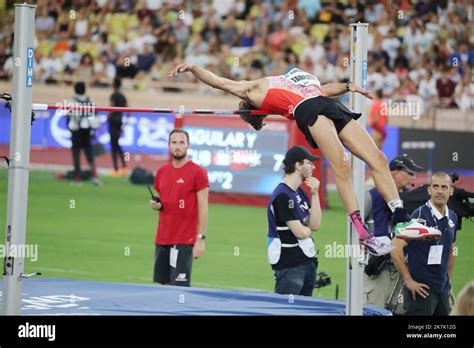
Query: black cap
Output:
(405,163)
(298,154)
(80,88)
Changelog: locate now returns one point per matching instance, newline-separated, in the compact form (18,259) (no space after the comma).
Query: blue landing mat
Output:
(77,297)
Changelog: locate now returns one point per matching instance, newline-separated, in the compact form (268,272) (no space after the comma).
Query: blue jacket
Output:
(381,214)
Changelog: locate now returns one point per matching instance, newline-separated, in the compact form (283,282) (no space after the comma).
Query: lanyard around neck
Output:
(437,220)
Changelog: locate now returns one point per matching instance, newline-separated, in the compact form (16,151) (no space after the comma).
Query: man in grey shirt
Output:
(382,283)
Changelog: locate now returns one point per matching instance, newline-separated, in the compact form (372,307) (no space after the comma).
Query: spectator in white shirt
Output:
(373,12)
(390,44)
(197,42)
(424,40)
(223,7)
(374,79)
(390,82)
(198,58)
(433,25)
(464,93)
(124,44)
(313,50)
(144,38)
(104,69)
(44,24)
(154,5)
(324,71)
(308,65)
(309,7)
(418,71)
(345,39)
(82,25)
(410,38)
(71,59)
(51,66)
(384,25)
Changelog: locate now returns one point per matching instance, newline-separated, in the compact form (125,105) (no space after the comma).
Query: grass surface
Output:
(106,233)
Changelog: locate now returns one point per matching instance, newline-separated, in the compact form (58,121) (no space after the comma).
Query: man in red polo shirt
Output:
(378,119)
(183,189)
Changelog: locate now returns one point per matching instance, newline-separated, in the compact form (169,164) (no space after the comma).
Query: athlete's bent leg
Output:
(325,135)
(358,141)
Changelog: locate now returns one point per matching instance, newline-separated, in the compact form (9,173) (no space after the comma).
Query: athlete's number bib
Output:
(302,78)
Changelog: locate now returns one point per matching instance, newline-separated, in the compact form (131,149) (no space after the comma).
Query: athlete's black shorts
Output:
(307,112)
(164,273)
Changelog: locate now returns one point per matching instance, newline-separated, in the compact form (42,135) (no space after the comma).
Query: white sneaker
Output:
(378,246)
(414,230)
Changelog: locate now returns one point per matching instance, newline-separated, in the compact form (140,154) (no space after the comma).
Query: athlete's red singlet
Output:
(285,92)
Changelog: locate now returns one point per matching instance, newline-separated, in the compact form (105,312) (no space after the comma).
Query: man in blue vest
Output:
(382,283)
(292,218)
(429,263)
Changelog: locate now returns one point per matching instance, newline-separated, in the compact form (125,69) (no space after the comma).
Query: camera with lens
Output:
(322,280)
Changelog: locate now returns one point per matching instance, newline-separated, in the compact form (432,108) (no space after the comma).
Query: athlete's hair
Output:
(256,121)
(178,130)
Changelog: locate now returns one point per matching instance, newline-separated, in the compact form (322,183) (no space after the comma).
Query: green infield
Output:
(107,233)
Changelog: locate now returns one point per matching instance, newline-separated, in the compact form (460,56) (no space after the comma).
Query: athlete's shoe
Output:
(378,246)
(414,230)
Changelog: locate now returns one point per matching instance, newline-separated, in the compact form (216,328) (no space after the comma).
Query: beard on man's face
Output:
(180,156)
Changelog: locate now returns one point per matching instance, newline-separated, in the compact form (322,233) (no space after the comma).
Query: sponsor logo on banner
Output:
(141,134)
(364,74)
(30,57)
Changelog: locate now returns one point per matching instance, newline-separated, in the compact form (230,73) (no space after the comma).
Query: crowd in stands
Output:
(417,49)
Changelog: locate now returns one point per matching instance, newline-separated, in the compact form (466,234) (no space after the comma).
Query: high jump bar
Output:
(72,106)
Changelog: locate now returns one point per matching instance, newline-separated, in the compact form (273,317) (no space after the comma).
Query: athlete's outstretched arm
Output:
(336,88)
(238,88)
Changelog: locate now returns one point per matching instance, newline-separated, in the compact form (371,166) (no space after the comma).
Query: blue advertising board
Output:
(142,133)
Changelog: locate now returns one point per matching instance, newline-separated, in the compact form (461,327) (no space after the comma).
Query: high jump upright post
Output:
(358,73)
(23,55)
